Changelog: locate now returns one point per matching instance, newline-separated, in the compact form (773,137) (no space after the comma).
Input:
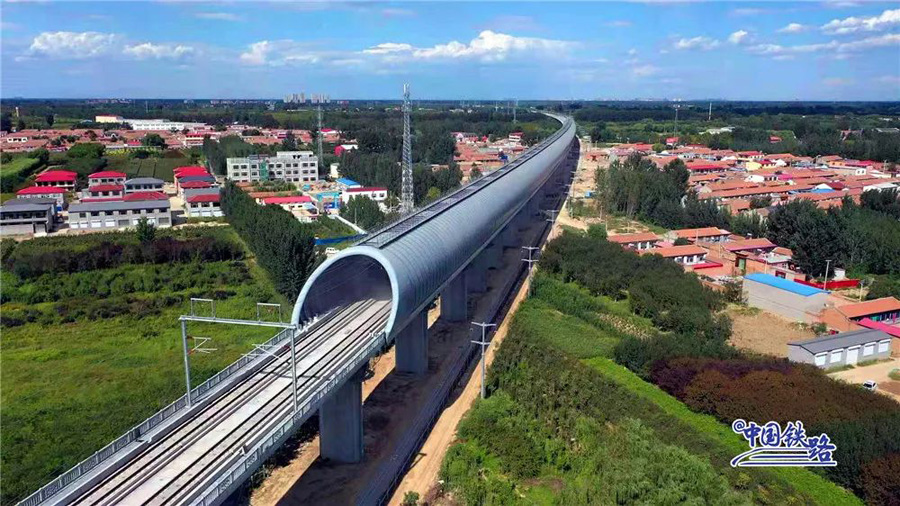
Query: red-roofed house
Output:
(641,241)
(42,192)
(105,191)
(847,317)
(289,203)
(107,177)
(203,206)
(708,234)
(129,197)
(58,178)
(686,255)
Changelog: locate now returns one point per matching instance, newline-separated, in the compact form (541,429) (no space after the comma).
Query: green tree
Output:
(475,173)
(85,150)
(153,140)
(432,195)
(289,143)
(364,212)
(50,120)
(145,231)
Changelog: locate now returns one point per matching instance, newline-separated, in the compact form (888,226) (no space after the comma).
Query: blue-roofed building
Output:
(792,300)
(344,183)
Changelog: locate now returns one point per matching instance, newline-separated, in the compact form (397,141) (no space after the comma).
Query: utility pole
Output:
(484,343)
(827,265)
(407,201)
(319,137)
(530,261)
(709,118)
(516,106)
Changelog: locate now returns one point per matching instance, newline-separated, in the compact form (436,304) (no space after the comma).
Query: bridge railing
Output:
(135,433)
(243,468)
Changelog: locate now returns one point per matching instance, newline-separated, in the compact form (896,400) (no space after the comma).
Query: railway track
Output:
(174,469)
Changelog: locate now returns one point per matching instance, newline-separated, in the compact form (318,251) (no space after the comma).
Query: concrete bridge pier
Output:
(412,345)
(340,422)
(476,274)
(454,303)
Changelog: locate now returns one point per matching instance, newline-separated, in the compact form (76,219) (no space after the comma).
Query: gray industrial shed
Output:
(846,348)
(411,261)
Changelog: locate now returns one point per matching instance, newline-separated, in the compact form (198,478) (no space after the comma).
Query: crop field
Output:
(161,168)
(89,354)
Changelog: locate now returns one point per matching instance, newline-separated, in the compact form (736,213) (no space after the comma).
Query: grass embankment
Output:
(70,388)
(566,425)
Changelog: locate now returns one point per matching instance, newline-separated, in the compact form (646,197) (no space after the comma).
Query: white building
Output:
(290,166)
(161,125)
(377,194)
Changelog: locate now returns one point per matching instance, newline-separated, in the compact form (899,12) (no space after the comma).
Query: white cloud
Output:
(493,46)
(748,11)
(644,70)
(149,50)
(793,28)
(853,24)
(278,53)
(619,23)
(834,46)
(488,46)
(388,48)
(72,45)
(218,16)
(891,80)
(393,12)
(837,81)
(8,26)
(632,52)
(701,42)
(738,37)
(840,4)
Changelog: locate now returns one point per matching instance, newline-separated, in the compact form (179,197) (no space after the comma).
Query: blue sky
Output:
(828,50)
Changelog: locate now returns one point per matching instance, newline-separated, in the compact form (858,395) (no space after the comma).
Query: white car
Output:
(870,385)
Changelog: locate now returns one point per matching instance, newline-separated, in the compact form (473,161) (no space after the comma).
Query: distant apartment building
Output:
(289,166)
(161,125)
(119,214)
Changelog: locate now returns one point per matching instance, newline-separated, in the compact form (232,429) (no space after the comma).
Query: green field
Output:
(566,425)
(148,167)
(70,388)
(14,172)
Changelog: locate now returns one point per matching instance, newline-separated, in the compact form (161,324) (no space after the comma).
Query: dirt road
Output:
(876,372)
(422,476)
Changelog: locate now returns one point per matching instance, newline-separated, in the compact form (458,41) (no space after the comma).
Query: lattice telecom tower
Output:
(406,194)
(319,137)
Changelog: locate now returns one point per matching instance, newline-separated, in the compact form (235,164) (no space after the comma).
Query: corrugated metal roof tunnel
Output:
(410,262)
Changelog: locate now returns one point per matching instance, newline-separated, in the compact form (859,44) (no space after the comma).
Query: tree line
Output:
(283,246)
